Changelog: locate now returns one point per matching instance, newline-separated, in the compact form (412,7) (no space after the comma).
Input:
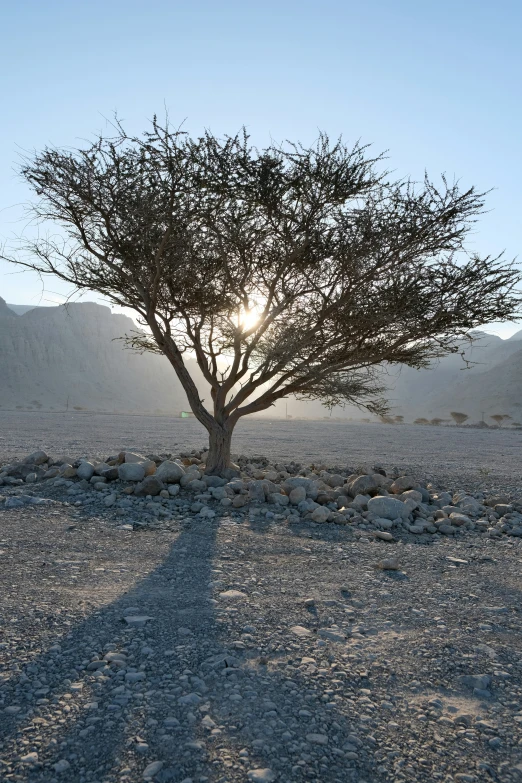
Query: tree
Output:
(289,270)
(421,420)
(435,422)
(499,418)
(459,418)
(399,419)
(385,419)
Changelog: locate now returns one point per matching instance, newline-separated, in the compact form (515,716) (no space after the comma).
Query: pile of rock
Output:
(367,499)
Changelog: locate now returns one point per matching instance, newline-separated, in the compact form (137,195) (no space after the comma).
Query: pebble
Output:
(261,775)
(152,769)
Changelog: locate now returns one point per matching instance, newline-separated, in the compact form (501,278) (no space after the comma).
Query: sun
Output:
(249,319)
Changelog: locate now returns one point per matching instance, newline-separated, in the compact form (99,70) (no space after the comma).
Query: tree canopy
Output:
(289,270)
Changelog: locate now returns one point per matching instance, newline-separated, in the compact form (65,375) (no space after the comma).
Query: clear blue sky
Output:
(437,83)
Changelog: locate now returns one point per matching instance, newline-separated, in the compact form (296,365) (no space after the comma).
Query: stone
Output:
(458,519)
(383,535)
(261,775)
(331,635)
(132,457)
(363,485)
(479,681)
(389,508)
(61,766)
(31,478)
(109,474)
(297,495)
(29,758)
(389,564)
(403,484)
(278,499)
(335,480)
(170,472)
(137,620)
(173,489)
(36,458)
(152,769)
(131,471)
(317,739)
(301,631)
(191,699)
(150,485)
(233,595)
(189,478)
(134,677)
(85,470)
(213,481)
(321,514)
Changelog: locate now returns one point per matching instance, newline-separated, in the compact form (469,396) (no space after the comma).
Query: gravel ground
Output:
(260,650)
(489,459)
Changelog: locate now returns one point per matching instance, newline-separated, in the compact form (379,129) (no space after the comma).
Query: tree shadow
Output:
(208,707)
(218,696)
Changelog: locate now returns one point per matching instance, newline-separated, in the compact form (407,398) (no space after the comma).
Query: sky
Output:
(437,84)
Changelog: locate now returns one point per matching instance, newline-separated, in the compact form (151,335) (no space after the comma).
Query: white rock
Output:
(29,758)
(261,775)
(233,595)
(300,631)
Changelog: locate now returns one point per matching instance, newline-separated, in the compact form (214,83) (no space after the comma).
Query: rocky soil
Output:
(291,622)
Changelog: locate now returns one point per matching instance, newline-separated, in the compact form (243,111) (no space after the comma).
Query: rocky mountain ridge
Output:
(69,356)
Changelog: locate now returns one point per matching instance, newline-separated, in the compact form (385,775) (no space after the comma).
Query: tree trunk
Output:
(218,460)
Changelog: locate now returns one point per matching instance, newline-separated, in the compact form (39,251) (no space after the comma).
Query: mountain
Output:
(21,309)
(52,358)
(69,356)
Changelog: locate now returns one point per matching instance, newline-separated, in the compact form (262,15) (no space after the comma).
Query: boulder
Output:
(131,471)
(297,495)
(403,484)
(36,458)
(389,508)
(150,485)
(335,480)
(257,490)
(188,478)
(85,470)
(170,472)
(363,485)
(213,481)
(131,456)
(321,514)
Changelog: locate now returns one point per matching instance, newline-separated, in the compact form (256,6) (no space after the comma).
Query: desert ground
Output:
(247,647)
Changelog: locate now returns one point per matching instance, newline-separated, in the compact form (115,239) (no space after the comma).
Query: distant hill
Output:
(54,357)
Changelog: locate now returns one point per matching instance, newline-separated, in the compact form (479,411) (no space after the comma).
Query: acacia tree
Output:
(290,270)
(459,418)
(499,418)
